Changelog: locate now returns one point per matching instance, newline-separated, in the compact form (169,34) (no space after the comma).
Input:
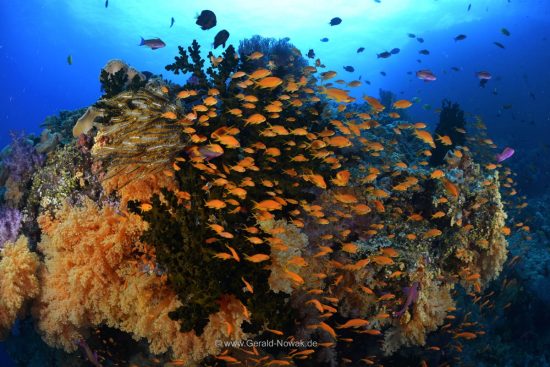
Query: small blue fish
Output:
(395,51)
(70,59)
(360,49)
(325,39)
(171,22)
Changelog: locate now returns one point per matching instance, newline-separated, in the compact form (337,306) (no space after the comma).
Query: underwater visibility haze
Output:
(275,183)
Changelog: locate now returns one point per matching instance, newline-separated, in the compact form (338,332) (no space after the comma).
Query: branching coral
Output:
(18,282)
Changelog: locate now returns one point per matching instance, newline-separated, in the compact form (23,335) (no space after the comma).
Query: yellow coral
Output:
(293,244)
(91,278)
(18,281)
(428,313)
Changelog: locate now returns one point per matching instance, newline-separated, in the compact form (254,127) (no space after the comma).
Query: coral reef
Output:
(252,203)
(62,125)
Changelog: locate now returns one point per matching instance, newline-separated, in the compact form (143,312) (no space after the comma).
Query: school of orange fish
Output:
(275,137)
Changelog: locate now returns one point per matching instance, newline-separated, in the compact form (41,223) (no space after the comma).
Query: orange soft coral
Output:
(18,281)
(91,277)
(138,186)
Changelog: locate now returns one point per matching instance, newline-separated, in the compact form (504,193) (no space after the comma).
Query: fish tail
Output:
(142,42)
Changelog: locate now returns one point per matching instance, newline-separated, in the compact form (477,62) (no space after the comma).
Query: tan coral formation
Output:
(433,303)
(90,278)
(18,281)
(287,255)
(87,121)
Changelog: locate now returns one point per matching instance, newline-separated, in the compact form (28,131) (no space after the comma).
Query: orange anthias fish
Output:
(451,188)
(339,95)
(382,260)
(269,82)
(425,136)
(257,258)
(353,323)
(402,103)
(466,335)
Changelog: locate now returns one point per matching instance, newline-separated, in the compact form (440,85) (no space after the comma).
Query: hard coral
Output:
(117,76)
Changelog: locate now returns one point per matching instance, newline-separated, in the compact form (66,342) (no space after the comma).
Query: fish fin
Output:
(142,41)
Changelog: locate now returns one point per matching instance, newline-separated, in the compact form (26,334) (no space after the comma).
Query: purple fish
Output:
(426,75)
(152,43)
(92,356)
(412,296)
(506,153)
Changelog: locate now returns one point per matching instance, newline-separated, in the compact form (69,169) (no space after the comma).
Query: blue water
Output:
(36,37)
